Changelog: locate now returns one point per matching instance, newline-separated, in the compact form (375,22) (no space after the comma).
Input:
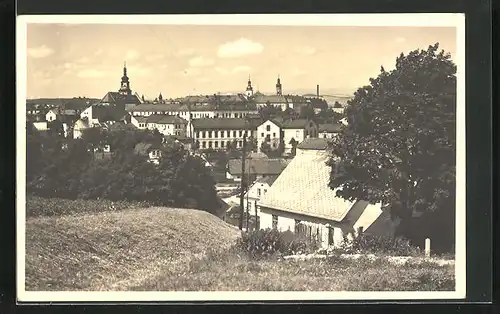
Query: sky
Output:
(71,60)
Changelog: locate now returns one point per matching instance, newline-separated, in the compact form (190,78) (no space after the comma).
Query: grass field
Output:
(181,249)
(117,250)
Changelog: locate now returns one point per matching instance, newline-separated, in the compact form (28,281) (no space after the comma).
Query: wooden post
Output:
(427,248)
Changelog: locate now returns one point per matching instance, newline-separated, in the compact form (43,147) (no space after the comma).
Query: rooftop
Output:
(226,123)
(330,127)
(314,144)
(258,166)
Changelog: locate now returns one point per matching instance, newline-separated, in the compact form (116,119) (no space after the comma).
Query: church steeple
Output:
(279,91)
(249,90)
(125,83)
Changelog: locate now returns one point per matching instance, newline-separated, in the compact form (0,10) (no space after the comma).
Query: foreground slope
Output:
(117,250)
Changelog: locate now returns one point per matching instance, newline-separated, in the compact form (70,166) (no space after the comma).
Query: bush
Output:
(39,206)
(386,245)
(267,242)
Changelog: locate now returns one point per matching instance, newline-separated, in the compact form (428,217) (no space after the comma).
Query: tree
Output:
(307,112)
(269,111)
(399,145)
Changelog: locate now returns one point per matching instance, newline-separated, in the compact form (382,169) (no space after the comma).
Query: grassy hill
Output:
(117,250)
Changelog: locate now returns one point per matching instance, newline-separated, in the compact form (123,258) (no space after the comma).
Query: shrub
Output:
(267,242)
(386,245)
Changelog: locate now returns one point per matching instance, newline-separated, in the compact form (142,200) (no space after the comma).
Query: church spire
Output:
(249,90)
(279,90)
(125,83)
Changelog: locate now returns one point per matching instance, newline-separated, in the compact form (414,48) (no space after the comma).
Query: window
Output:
(234,133)
(330,235)
(275,222)
(274,135)
(204,134)
(297,226)
(265,191)
(261,134)
(241,133)
(268,128)
(258,192)
(199,134)
(216,134)
(222,144)
(209,144)
(216,143)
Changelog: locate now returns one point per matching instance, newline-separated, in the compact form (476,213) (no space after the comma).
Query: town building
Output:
(301,199)
(165,124)
(329,130)
(255,192)
(217,133)
(256,168)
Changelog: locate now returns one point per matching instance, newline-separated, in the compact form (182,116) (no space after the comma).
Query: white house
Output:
(297,130)
(256,191)
(165,124)
(300,198)
(51,115)
(329,130)
(79,127)
(269,132)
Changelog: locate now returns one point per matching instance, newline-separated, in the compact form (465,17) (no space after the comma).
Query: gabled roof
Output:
(302,188)
(165,119)
(258,166)
(295,124)
(226,123)
(273,99)
(267,180)
(330,127)
(115,97)
(314,144)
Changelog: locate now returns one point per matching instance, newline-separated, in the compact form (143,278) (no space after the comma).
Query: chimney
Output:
(317,90)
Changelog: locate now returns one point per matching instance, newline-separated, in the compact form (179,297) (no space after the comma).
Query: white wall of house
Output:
(87,113)
(51,116)
(254,194)
(325,134)
(287,222)
(137,124)
(268,132)
(298,134)
(218,139)
(171,129)
(282,105)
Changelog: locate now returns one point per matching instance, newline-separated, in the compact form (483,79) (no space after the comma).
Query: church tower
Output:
(249,90)
(125,84)
(279,91)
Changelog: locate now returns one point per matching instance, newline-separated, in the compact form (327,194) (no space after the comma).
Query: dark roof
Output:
(258,166)
(165,119)
(115,97)
(69,103)
(330,127)
(149,107)
(314,144)
(295,124)
(267,179)
(226,123)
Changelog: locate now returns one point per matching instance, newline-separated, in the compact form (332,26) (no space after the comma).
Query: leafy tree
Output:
(294,144)
(269,111)
(399,145)
(307,112)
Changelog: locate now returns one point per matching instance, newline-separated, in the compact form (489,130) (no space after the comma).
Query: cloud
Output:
(221,70)
(91,73)
(40,52)
(132,55)
(239,48)
(200,62)
(155,57)
(98,52)
(400,40)
(306,50)
(298,72)
(83,60)
(185,52)
(241,68)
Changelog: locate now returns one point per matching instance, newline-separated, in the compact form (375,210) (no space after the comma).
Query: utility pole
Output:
(248,191)
(242,187)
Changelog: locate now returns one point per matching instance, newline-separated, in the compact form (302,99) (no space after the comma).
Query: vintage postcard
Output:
(241,157)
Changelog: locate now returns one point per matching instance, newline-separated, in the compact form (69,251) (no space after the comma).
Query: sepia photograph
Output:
(241,157)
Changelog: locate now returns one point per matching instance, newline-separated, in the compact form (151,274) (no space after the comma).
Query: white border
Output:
(423,20)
